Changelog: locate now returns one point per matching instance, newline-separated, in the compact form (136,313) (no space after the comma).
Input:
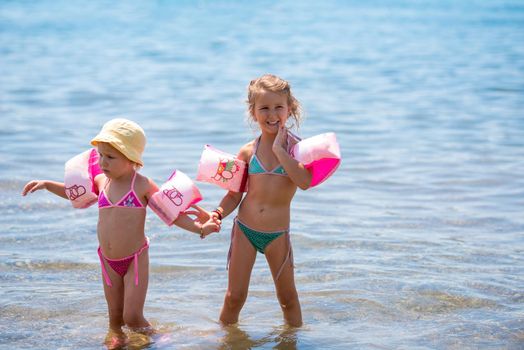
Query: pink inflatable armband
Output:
(222,169)
(174,197)
(80,172)
(320,154)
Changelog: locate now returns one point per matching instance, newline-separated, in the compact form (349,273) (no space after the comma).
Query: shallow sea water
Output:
(417,242)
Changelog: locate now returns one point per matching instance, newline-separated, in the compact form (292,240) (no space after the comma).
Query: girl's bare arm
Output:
(57,188)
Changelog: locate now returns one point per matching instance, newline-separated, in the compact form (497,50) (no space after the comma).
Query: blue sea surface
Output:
(416,242)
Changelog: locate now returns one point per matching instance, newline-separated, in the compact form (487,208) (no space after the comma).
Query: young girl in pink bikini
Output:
(122,200)
(263,217)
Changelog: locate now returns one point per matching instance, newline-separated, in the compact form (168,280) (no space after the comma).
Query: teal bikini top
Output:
(257,168)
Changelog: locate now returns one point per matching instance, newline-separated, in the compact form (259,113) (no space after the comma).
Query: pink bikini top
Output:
(128,200)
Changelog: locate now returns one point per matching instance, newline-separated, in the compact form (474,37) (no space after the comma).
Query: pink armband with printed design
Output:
(222,169)
(175,196)
(80,173)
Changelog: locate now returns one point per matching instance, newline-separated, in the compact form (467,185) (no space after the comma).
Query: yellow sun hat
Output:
(124,135)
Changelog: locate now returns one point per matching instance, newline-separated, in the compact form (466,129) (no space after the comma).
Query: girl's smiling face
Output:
(270,111)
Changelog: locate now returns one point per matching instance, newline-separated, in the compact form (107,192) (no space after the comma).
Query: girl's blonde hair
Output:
(270,82)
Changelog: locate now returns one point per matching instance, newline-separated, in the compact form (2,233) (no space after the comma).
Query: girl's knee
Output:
(235,299)
(288,299)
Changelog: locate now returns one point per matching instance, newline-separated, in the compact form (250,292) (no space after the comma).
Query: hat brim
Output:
(117,144)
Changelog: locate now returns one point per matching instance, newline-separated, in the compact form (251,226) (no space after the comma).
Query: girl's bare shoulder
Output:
(100,180)
(246,151)
(145,186)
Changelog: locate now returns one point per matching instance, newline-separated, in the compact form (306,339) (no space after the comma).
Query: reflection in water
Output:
(115,340)
(284,338)
(128,340)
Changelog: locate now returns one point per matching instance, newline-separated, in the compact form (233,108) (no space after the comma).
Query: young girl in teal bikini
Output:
(122,200)
(263,217)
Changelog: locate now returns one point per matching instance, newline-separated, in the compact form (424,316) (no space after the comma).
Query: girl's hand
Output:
(215,217)
(208,221)
(201,214)
(33,186)
(280,143)
(209,227)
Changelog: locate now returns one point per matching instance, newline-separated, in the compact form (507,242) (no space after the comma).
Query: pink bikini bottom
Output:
(121,266)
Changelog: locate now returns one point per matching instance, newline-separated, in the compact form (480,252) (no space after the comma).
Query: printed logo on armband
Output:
(226,170)
(174,196)
(75,192)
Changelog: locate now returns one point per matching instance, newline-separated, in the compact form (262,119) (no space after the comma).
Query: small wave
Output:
(503,89)
(161,269)
(439,302)
(48,265)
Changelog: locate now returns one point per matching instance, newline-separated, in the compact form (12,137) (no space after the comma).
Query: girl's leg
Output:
(115,299)
(241,263)
(276,254)
(135,296)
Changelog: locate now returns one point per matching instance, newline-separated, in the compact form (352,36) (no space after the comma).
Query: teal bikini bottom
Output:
(260,240)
